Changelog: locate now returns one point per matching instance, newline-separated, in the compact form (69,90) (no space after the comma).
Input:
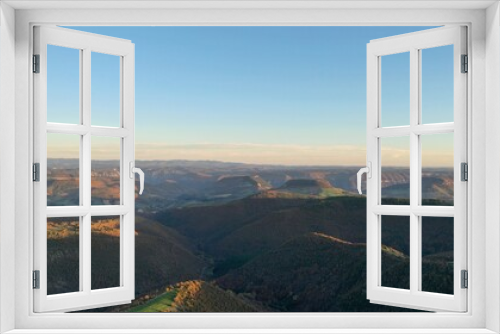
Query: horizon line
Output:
(253,164)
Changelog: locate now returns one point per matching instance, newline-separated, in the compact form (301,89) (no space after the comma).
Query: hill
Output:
(438,188)
(199,296)
(202,224)
(63,187)
(279,254)
(284,238)
(303,188)
(191,296)
(311,273)
(306,183)
(163,256)
(178,183)
(237,186)
(437,185)
(344,217)
(236,232)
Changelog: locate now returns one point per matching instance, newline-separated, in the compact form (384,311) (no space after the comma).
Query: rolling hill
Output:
(228,232)
(303,188)
(311,273)
(177,183)
(189,296)
(200,296)
(237,186)
(282,238)
(343,217)
(163,256)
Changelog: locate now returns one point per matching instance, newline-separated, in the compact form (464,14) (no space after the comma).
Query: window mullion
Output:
(85,167)
(414,170)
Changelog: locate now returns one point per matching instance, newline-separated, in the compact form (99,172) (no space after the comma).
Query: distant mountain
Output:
(63,187)
(190,164)
(237,186)
(306,183)
(438,187)
(304,188)
(178,183)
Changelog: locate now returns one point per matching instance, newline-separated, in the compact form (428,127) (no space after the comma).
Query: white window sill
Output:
(251,331)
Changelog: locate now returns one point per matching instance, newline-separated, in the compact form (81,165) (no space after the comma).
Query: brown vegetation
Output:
(200,296)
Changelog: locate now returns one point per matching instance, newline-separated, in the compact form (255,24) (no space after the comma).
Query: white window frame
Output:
(483,314)
(86,44)
(413,44)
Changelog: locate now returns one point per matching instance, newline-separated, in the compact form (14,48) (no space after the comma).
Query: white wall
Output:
(493,164)
(7,162)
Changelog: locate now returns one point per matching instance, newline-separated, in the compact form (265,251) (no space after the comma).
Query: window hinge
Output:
(464,171)
(36,172)
(465,64)
(464,279)
(36,63)
(36,279)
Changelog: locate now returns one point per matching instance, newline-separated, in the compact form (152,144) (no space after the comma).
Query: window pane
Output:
(395,170)
(105,252)
(437,84)
(105,170)
(396,251)
(63,85)
(437,254)
(437,169)
(395,89)
(63,255)
(105,90)
(63,169)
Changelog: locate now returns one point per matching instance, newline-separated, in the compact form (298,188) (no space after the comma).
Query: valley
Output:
(224,237)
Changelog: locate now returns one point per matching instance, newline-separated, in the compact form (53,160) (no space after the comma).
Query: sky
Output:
(271,95)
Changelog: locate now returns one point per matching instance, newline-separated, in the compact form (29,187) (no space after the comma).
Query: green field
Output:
(162,303)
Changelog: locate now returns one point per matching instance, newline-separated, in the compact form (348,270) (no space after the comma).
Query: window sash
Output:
(413,43)
(85,298)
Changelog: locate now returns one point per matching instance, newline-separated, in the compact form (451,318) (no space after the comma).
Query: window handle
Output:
(368,171)
(133,171)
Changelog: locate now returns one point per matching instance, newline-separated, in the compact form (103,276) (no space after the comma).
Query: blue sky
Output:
(291,95)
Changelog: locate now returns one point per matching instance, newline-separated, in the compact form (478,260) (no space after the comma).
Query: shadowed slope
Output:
(163,256)
(314,272)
